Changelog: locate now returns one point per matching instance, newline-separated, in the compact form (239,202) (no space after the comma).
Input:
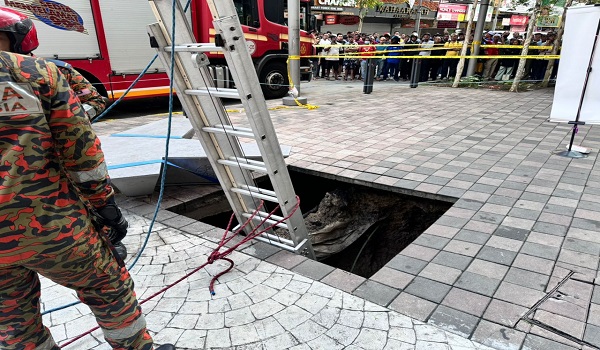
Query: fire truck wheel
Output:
(274,80)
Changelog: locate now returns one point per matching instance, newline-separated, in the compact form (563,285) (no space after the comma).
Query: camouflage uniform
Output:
(45,227)
(86,92)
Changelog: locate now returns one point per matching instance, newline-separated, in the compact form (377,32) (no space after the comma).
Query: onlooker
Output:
(490,64)
(435,64)
(351,63)
(393,59)
(426,43)
(507,64)
(449,64)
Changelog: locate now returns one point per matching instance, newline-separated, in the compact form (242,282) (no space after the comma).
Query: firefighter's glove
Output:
(110,215)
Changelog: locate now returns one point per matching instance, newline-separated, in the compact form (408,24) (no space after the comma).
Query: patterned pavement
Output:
(512,264)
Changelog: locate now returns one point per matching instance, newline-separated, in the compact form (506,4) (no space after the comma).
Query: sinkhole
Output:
(353,226)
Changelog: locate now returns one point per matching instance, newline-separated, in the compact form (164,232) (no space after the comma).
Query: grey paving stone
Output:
(454,260)
(343,280)
(500,256)
(586,224)
(413,306)
(504,313)
(469,302)
(540,250)
(488,217)
(527,279)
(488,269)
(596,295)
(261,250)
(478,283)
(534,342)
(468,204)
(452,221)
(512,233)
(313,269)
(393,278)
(581,246)
(406,264)
(553,229)
(453,320)
(472,236)
(502,200)
(519,295)
(428,289)
(431,241)
(498,336)
(286,259)
(592,335)
(376,292)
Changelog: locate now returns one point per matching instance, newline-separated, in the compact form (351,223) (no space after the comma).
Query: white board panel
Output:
(65,30)
(572,70)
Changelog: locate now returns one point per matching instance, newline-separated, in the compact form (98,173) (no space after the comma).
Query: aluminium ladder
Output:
(201,101)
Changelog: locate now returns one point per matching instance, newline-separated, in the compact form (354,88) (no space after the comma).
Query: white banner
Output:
(572,70)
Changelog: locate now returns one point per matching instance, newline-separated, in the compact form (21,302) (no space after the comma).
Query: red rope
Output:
(216,255)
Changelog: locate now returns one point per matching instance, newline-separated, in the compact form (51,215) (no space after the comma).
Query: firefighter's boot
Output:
(166,347)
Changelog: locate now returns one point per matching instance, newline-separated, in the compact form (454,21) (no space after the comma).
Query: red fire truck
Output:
(106,40)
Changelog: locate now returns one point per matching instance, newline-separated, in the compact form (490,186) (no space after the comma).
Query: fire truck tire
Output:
(274,80)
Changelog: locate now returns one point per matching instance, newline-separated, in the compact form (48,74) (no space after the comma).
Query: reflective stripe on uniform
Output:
(127,332)
(97,174)
(49,344)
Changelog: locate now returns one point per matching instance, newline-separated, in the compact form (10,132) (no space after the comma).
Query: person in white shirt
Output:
(322,63)
(426,43)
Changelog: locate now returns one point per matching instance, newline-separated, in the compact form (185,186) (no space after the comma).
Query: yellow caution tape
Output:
(307,106)
(533,57)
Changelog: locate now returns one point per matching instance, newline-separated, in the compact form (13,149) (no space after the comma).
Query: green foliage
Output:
(365,5)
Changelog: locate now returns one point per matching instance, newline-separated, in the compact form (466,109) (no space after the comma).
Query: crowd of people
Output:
(345,56)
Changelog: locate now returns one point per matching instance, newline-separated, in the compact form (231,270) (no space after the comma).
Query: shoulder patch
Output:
(18,99)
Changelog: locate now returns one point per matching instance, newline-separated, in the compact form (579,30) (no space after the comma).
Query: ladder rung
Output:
(259,190)
(260,217)
(195,47)
(245,164)
(211,91)
(257,194)
(227,129)
(291,248)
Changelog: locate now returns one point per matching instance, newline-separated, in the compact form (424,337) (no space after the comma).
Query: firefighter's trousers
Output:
(86,266)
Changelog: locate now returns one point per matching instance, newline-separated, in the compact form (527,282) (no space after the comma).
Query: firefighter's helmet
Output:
(20,29)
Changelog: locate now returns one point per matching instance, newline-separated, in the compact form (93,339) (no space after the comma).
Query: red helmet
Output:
(20,30)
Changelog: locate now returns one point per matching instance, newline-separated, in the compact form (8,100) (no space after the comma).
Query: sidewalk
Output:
(523,233)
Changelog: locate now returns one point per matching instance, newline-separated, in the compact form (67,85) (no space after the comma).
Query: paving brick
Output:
(431,241)
(376,292)
(286,259)
(504,243)
(428,289)
(464,248)
(261,250)
(560,304)
(406,264)
(592,335)
(472,236)
(454,260)
(596,295)
(487,268)
(313,269)
(527,279)
(469,302)
(498,336)
(512,233)
(453,320)
(582,246)
(500,256)
(552,229)
(537,342)
(540,250)
(477,283)
(343,280)
(419,252)
(393,278)
(504,313)
(518,295)
(413,306)
(579,259)
(533,263)
(440,273)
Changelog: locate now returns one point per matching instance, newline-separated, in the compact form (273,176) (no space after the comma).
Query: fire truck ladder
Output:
(201,101)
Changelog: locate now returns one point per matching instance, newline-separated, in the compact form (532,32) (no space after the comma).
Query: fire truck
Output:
(107,41)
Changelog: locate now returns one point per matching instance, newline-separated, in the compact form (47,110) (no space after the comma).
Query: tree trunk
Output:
(525,51)
(361,17)
(463,52)
(556,45)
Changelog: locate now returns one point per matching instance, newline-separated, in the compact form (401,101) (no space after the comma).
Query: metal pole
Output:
(294,41)
(416,63)
(483,8)
(497,10)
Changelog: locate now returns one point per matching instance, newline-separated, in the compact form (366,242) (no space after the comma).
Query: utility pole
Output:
(483,8)
(416,63)
(293,15)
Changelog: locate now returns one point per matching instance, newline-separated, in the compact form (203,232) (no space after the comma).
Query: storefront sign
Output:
(447,24)
(548,21)
(505,22)
(349,20)
(331,19)
(402,10)
(518,20)
(518,28)
(488,15)
(344,3)
(451,12)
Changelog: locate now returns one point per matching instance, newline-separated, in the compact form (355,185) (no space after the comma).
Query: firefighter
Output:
(93,103)
(50,163)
